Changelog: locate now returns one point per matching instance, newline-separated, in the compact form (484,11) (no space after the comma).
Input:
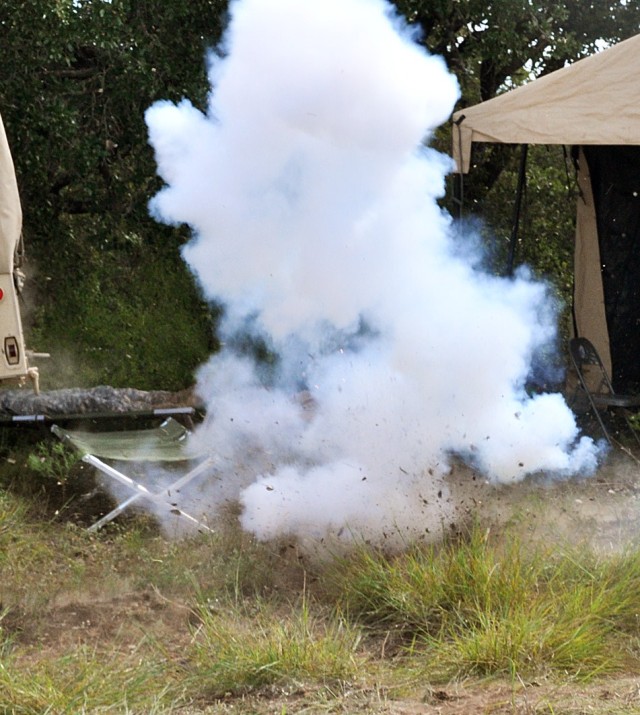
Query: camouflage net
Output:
(102,399)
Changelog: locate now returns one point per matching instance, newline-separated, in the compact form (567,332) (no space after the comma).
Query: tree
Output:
(77,78)
(490,45)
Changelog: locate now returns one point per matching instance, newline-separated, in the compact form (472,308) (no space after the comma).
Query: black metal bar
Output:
(522,182)
(458,177)
(87,416)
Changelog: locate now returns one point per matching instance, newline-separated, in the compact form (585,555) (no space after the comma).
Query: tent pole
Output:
(458,192)
(458,177)
(522,182)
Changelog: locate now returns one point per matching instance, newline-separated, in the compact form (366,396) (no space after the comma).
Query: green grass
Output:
(130,318)
(240,648)
(221,621)
(479,606)
(86,681)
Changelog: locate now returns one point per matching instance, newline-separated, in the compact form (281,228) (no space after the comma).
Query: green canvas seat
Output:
(166,443)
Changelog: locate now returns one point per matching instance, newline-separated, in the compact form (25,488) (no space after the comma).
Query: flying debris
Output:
(312,196)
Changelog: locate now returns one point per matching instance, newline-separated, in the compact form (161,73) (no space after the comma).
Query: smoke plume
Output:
(361,349)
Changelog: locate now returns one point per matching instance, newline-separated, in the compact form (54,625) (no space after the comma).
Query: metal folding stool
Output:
(166,443)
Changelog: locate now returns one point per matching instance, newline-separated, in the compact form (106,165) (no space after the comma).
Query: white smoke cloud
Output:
(313,204)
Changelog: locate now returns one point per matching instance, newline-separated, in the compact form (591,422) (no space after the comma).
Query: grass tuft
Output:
(479,606)
(228,622)
(86,681)
(239,650)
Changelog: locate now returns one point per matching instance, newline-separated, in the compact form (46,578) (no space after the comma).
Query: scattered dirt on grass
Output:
(602,511)
(619,696)
(116,624)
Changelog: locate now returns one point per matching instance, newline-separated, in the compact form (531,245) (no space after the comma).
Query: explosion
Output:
(362,347)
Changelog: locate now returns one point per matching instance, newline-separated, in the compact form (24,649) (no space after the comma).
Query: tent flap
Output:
(594,105)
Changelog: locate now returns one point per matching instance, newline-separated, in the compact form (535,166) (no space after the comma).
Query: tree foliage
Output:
(77,78)
(491,45)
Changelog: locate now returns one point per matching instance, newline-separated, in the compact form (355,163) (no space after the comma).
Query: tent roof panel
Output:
(595,100)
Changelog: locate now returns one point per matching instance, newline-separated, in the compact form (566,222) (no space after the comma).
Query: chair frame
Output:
(604,397)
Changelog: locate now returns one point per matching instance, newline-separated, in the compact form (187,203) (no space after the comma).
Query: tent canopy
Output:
(594,106)
(595,100)
(10,210)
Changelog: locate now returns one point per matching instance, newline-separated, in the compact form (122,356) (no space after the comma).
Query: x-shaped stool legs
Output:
(141,492)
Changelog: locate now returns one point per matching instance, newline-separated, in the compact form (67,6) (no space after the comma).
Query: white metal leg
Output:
(141,492)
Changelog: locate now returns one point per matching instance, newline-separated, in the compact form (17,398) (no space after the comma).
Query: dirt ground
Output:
(615,697)
(602,511)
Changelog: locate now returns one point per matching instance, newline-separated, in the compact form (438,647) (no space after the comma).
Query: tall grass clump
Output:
(12,516)
(5,637)
(84,681)
(479,605)
(239,649)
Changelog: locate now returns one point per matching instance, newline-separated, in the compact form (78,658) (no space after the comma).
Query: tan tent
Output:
(10,210)
(593,106)
(13,358)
